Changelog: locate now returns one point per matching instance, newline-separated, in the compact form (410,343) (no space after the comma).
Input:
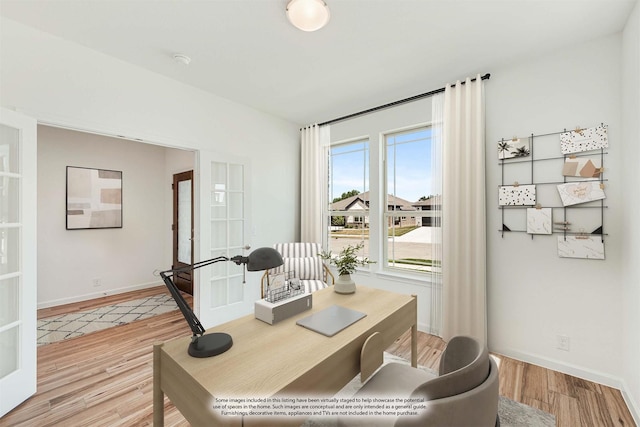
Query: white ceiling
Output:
(371,52)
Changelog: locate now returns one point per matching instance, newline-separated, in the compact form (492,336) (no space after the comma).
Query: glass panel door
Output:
(17,259)
(223,224)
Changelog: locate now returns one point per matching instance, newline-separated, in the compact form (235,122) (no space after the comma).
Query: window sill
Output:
(399,276)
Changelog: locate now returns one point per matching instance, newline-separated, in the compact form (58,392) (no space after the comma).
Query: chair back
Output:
(298,249)
(464,365)
(475,407)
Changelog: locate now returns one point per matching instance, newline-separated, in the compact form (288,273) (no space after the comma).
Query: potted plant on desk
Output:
(346,262)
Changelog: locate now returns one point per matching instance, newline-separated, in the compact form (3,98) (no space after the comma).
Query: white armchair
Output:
(304,260)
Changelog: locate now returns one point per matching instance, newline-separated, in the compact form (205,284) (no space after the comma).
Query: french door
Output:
(221,294)
(18,178)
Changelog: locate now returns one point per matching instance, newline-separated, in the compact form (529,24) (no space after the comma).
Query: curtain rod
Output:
(392,104)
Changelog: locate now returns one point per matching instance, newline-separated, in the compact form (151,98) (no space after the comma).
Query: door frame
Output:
(184,280)
(144,138)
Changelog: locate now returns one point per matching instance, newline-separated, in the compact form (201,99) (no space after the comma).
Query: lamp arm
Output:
(189,315)
(197,265)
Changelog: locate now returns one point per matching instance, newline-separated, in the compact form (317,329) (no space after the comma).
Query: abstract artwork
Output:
(584,140)
(539,221)
(94,198)
(585,247)
(580,192)
(517,195)
(582,167)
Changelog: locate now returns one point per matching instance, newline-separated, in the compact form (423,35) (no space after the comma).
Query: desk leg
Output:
(414,345)
(158,394)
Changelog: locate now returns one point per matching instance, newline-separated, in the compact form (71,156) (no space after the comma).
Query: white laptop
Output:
(331,320)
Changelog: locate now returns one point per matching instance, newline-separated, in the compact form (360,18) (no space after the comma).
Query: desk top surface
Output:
(266,358)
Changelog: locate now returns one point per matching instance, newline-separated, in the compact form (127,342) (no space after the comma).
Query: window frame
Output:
(377,212)
(397,215)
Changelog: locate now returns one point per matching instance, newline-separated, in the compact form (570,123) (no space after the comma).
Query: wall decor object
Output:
(539,221)
(515,147)
(578,179)
(574,193)
(517,195)
(579,140)
(94,198)
(582,167)
(585,247)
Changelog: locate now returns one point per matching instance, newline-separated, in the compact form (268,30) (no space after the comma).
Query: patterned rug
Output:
(71,325)
(511,413)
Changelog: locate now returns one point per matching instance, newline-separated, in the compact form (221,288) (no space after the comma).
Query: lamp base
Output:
(210,344)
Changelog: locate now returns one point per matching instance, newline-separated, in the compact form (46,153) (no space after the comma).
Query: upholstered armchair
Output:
(464,393)
(303,259)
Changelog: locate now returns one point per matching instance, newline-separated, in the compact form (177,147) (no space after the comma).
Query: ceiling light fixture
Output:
(182,58)
(308,15)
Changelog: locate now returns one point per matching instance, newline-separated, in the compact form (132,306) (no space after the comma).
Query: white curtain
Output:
(313,176)
(437,110)
(463,212)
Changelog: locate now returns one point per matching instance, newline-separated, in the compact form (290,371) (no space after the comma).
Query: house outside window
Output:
(349,196)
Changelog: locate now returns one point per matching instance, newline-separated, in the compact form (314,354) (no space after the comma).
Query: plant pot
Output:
(344,284)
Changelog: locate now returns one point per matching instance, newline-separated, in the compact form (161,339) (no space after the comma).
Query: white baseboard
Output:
(565,368)
(586,374)
(97,294)
(631,403)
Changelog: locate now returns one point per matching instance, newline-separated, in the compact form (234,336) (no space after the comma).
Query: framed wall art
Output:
(94,198)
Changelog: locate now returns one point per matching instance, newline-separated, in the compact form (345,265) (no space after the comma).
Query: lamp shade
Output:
(263,259)
(308,15)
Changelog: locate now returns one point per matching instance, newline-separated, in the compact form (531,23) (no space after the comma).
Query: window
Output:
(410,209)
(349,196)
(394,217)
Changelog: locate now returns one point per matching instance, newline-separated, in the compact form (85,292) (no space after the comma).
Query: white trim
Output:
(74,124)
(565,368)
(631,404)
(93,295)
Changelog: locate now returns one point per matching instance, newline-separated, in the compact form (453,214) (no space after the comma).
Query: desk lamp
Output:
(212,344)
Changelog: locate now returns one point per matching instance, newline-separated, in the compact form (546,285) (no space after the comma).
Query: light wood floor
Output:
(105,378)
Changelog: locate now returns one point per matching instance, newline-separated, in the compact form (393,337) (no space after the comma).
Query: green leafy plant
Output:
(347,260)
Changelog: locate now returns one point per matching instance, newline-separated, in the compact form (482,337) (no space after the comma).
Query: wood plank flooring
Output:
(105,379)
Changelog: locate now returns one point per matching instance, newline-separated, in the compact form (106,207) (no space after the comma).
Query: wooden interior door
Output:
(183,229)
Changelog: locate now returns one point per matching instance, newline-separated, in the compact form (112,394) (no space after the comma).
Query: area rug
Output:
(71,325)
(511,413)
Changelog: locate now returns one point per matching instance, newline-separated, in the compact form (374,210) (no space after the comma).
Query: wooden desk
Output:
(282,359)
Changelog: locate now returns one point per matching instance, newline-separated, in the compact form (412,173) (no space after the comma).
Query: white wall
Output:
(631,246)
(121,258)
(533,295)
(60,82)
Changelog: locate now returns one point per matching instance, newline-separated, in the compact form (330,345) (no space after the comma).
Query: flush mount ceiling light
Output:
(308,15)
(181,58)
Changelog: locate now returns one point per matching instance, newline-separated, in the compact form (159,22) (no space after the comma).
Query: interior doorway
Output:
(182,227)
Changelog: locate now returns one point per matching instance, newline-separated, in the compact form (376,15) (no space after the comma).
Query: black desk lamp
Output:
(216,343)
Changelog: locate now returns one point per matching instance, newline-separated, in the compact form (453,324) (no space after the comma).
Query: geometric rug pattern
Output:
(71,325)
